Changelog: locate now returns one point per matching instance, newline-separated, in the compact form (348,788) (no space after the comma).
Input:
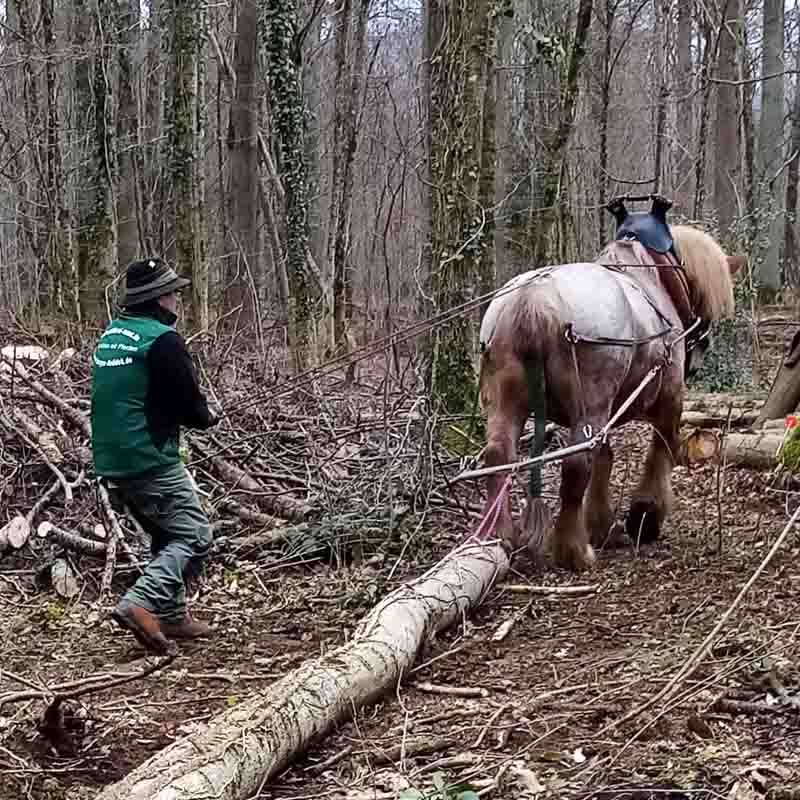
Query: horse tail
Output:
(537,403)
(536,518)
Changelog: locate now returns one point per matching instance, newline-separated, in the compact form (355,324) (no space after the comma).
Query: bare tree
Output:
(770,149)
(727,160)
(243,158)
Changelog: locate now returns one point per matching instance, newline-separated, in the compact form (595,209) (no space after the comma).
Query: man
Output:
(144,388)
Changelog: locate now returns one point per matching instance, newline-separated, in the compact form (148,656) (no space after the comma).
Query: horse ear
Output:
(735,263)
(617,208)
(660,207)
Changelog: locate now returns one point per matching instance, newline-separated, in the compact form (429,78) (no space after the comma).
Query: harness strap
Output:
(574,338)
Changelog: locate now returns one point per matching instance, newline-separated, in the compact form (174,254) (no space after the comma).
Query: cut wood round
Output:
(756,450)
(15,533)
(63,579)
(246,745)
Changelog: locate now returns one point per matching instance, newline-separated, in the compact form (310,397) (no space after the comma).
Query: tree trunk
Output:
(350,35)
(94,78)
(184,151)
(727,158)
(770,151)
(503,251)
(784,395)
(705,111)
(61,253)
(130,241)
(458,67)
(791,249)
(684,109)
(243,160)
(550,193)
(748,139)
(602,124)
(245,746)
(661,43)
(285,71)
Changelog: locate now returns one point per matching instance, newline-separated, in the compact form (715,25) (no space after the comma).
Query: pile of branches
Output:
(329,472)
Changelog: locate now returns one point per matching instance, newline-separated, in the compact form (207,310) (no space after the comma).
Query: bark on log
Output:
(248,744)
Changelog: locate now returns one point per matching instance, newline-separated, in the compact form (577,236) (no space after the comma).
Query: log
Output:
(243,747)
(757,450)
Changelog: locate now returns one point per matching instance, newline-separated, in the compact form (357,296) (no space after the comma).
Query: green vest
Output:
(121,442)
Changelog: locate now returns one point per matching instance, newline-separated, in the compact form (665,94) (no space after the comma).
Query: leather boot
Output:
(143,624)
(188,628)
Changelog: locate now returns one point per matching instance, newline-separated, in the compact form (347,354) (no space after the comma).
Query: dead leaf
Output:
(63,579)
(529,780)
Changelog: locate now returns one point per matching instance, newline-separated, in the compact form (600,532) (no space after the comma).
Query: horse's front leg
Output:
(652,501)
(600,519)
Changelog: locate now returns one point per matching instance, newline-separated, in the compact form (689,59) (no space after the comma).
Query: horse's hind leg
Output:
(652,500)
(571,546)
(506,420)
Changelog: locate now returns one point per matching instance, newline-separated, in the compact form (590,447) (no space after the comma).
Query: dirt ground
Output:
(529,716)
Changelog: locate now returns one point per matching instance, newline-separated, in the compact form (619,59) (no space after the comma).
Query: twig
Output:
(75,689)
(575,591)
(116,536)
(492,720)
(454,691)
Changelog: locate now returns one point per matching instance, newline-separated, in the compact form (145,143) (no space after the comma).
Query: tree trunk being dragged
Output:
(250,743)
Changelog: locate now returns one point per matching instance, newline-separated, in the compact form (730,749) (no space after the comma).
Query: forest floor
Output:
(526,716)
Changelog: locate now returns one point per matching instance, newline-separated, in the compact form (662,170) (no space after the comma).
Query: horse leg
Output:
(571,546)
(598,511)
(652,500)
(506,420)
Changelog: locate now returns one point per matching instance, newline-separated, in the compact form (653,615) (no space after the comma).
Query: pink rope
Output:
(489,522)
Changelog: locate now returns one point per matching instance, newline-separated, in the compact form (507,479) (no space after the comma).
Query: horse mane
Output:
(707,270)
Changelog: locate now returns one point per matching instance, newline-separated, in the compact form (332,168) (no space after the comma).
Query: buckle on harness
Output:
(570,335)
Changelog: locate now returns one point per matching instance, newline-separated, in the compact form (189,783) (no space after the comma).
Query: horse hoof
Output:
(609,537)
(575,557)
(642,524)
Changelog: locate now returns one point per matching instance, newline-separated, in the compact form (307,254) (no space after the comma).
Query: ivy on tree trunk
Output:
(284,70)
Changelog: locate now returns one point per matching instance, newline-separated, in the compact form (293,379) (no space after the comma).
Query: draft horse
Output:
(570,343)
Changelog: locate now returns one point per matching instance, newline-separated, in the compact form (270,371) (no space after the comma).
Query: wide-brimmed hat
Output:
(149,279)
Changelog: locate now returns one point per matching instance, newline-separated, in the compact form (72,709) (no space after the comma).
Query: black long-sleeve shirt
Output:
(174,397)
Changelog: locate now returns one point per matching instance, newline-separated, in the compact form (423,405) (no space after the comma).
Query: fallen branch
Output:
(43,455)
(70,541)
(285,507)
(74,417)
(116,537)
(245,746)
